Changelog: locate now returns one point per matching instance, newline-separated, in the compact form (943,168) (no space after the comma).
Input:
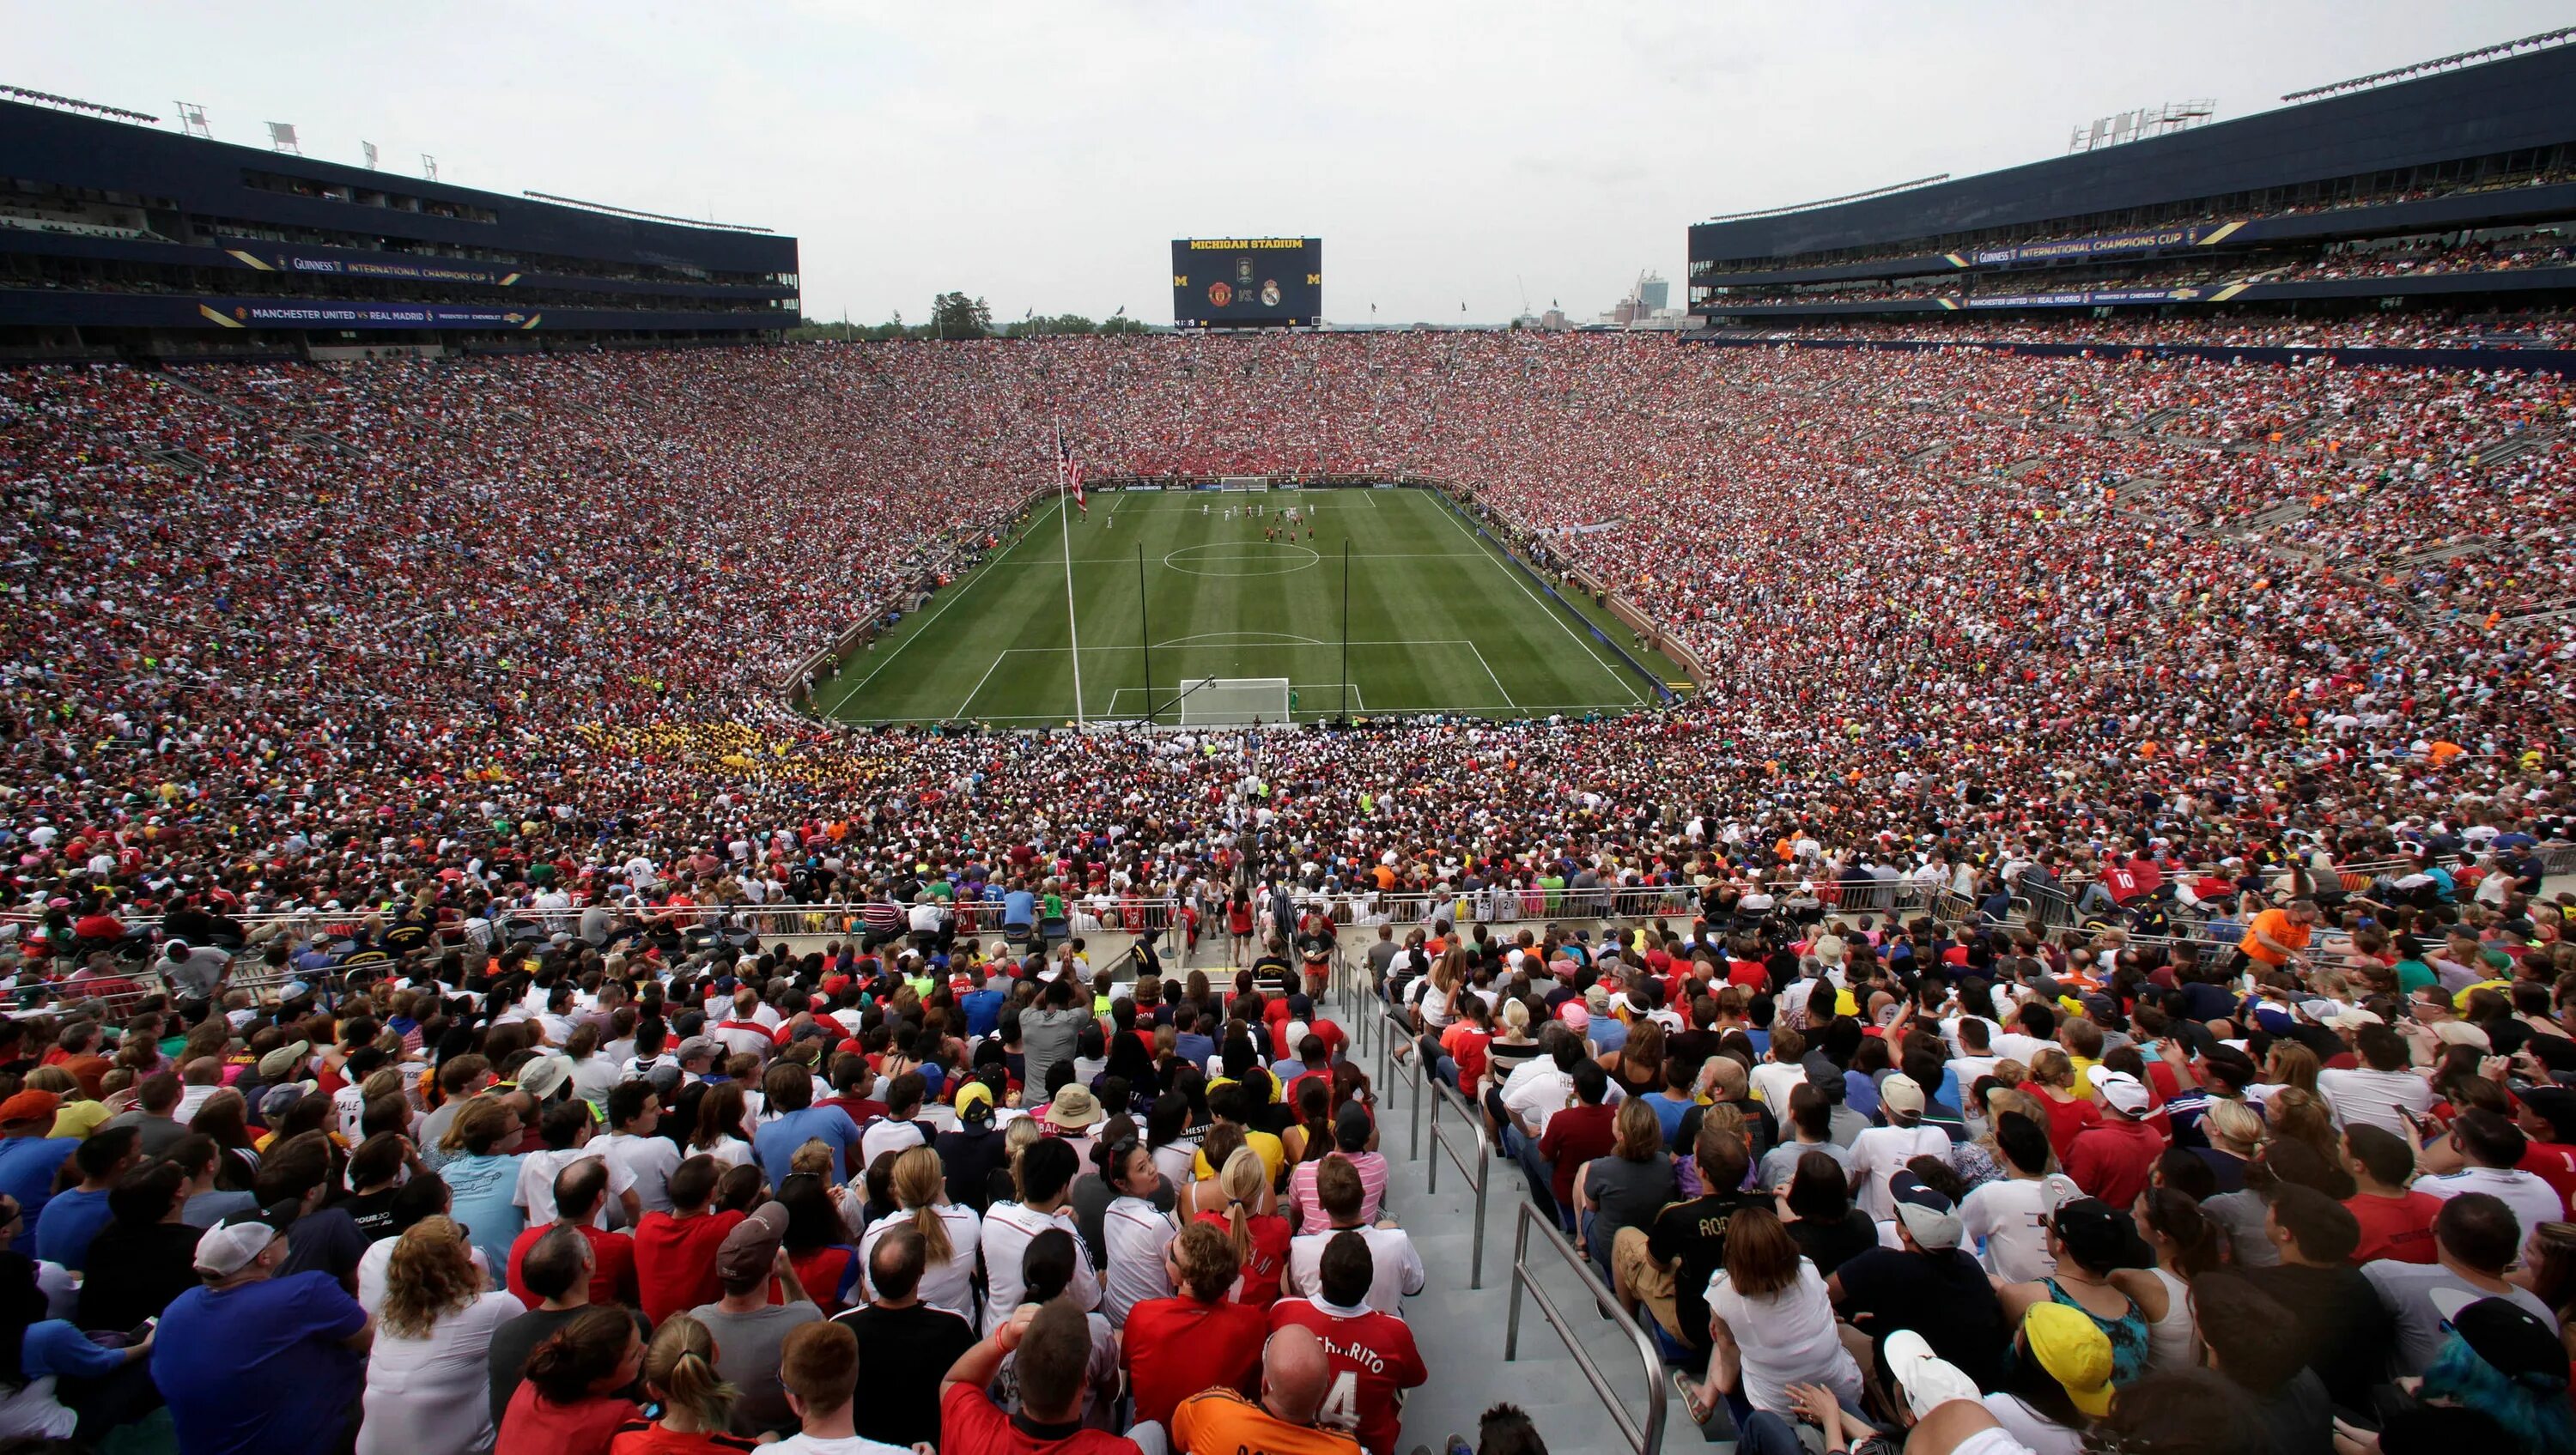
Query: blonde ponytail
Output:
(1241,1180)
(918,1181)
(681,1364)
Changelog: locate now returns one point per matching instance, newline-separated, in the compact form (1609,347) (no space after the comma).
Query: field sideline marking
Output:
(1213,646)
(1263,546)
(979,687)
(1525,708)
(1616,676)
(1277,639)
(1497,681)
(917,632)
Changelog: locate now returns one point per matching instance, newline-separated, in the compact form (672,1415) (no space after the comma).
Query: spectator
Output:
(2239,1322)
(819,1367)
(428,1370)
(2396,1220)
(1043,1177)
(675,1253)
(696,1403)
(1771,1325)
(2492,1148)
(748,1328)
(1368,1346)
(1925,1284)
(573,1400)
(2341,1331)
(75,1215)
(576,1196)
(293,1349)
(37,1352)
(1196,1339)
(1052,1343)
(795,1120)
(2088,1240)
(905,1343)
(1296,1374)
(28,1157)
(2474,1242)
(950,1235)
(146,1256)
(1625,1189)
(2112,1159)
(1396,1271)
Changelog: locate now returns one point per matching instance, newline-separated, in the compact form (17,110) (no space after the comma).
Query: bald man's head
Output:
(1295,1375)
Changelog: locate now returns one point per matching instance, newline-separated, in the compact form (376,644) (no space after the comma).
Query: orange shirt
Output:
(1222,1422)
(2276,924)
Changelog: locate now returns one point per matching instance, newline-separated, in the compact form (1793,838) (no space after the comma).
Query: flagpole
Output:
(1064,517)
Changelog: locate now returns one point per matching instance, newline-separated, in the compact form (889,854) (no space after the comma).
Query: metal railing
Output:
(1645,1439)
(1392,1033)
(1475,1166)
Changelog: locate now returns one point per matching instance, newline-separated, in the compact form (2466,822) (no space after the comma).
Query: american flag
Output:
(1068,473)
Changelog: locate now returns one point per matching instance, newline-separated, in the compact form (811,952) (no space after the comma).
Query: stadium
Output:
(680,882)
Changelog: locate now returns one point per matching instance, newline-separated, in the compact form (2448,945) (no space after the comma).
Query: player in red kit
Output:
(1372,1354)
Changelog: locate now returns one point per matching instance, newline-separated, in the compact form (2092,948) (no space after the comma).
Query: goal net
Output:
(1233,701)
(1244,482)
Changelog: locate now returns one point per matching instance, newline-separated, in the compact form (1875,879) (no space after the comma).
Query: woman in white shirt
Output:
(1134,1233)
(950,1234)
(1771,1325)
(720,1119)
(429,1373)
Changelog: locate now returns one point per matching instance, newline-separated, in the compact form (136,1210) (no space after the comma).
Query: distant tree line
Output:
(954,315)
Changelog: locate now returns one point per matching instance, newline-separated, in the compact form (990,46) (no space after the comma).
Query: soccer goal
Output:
(1233,701)
(1243,482)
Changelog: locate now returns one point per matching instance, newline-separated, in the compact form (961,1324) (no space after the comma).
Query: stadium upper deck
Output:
(2453,190)
(122,236)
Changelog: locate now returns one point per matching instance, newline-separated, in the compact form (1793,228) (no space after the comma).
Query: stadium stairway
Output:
(1461,1323)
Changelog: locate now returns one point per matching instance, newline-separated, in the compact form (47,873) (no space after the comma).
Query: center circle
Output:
(1240,560)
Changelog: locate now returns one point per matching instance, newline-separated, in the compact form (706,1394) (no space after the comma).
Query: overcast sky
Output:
(1043,155)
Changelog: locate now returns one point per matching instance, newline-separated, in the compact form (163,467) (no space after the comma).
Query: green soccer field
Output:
(1439,620)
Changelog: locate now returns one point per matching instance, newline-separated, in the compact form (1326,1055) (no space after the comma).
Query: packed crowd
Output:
(444,700)
(547,1201)
(2430,328)
(1960,1190)
(300,639)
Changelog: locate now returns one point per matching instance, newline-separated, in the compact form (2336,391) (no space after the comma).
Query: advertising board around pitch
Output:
(1247,282)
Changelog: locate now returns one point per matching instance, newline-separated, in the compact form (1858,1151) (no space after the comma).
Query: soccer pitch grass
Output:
(1440,620)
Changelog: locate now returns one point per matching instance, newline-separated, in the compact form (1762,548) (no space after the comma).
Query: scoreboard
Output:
(1247,282)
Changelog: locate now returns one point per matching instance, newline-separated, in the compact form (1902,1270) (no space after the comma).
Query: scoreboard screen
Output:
(1247,282)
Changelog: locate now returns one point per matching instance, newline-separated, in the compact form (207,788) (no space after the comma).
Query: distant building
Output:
(1654,292)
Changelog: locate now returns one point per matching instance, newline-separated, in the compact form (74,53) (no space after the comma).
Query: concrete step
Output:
(1461,1330)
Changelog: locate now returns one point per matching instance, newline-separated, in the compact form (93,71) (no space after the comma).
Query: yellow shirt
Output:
(2083,1082)
(79,1118)
(1273,1154)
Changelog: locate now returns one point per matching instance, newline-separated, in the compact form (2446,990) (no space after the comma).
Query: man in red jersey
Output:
(1372,1353)
(1175,1347)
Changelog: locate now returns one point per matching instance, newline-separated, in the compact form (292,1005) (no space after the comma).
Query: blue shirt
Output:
(983,1011)
(27,1168)
(56,1347)
(1019,907)
(71,1220)
(775,1143)
(261,1369)
(1669,1111)
(483,1187)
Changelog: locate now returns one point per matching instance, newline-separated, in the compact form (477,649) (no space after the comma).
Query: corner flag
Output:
(1068,473)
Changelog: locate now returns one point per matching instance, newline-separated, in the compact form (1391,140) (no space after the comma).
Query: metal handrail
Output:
(1648,1440)
(1476,1170)
(1386,1060)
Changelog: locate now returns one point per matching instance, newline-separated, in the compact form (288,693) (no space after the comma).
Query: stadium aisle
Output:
(1460,1330)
